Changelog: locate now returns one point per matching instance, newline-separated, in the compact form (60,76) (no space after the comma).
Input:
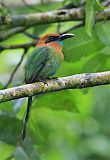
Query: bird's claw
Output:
(43,81)
(54,78)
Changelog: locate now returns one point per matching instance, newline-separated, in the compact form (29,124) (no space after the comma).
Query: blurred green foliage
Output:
(65,125)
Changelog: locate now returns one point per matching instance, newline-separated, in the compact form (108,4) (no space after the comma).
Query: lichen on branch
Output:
(71,82)
(62,15)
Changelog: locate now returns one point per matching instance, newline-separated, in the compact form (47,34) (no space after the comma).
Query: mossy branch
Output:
(42,18)
(71,82)
(74,14)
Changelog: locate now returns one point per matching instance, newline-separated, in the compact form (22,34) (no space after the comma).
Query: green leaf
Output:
(81,45)
(102,30)
(6,151)
(52,101)
(101,98)
(1,86)
(41,7)
(100,5)
(74,2)
(10,129)
(90,16)
(105,51)
(20,154)
(40,29)
(46,120)
(7,107)
(96,63)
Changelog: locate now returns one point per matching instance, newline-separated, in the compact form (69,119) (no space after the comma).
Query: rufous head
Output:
(53,39)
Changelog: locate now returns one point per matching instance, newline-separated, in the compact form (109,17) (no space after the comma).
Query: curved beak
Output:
(65,36)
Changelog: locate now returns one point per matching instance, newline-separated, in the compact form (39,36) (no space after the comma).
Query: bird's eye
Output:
(52,38)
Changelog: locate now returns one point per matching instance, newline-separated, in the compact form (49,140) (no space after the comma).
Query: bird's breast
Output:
(42,63)
(53,63)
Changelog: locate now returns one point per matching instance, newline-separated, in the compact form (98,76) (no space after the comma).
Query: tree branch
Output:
(25,46)
(74,14)
(72,82)
(43,18)
(16,68)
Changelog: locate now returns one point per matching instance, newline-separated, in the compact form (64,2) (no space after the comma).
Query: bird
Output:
(43,63)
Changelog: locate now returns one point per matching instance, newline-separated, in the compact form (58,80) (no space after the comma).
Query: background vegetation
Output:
(65,125)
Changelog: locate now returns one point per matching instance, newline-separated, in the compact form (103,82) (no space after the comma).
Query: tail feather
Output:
(26,117)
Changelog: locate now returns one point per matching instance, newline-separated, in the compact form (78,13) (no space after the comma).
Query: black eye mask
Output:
(51,38)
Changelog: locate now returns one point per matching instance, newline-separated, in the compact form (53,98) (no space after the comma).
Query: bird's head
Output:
(53,39)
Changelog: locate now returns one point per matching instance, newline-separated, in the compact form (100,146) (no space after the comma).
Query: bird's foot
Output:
(43,81)
(54,78)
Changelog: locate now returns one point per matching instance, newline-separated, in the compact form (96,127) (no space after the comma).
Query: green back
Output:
(35,63)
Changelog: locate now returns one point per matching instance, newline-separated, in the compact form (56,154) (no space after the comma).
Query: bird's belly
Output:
(50,67)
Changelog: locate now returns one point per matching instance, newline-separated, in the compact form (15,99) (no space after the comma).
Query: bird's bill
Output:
(65,36)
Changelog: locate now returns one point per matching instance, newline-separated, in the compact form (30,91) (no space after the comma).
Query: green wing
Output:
(35,63)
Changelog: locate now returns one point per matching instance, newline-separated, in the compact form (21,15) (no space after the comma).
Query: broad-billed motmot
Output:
(44,61)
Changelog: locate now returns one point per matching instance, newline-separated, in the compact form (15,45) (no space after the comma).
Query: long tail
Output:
(26,117)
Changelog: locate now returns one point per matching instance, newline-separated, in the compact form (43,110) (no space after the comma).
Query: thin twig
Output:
(6,34)
(73,27)
(16,68)
(1,51)
(6,6)
(72,82)
(31,44)
(31,35)
(25,45)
